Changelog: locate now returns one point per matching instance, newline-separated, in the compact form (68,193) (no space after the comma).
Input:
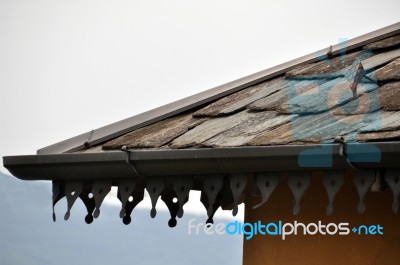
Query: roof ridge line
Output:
(119,128)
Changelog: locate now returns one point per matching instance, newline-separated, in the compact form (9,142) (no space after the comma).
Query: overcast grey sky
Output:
(67,67)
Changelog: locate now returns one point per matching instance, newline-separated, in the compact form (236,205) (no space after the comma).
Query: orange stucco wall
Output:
(319,249)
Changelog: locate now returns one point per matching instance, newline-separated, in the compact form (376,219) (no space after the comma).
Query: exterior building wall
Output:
(320,249)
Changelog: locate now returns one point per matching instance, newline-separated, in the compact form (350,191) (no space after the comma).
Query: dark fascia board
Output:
(119,128)
(149,163)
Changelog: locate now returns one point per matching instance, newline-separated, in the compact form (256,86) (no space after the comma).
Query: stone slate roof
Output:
(355,96)
(347,95)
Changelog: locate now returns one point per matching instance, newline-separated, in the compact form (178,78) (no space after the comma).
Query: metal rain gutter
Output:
(152,163)
(119,128)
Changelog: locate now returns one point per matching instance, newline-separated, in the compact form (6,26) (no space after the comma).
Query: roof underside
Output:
(312,103)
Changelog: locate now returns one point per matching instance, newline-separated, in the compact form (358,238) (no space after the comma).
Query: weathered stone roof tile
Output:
(155,135)
(313,103)
(388,121)
(239,100)
(327,96)
(380,59)
(258,122)
(389,72)
(327,67)
(386,43)
(376,136)
(209,129)
(389,96)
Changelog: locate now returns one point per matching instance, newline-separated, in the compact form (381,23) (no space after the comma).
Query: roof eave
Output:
(121,164)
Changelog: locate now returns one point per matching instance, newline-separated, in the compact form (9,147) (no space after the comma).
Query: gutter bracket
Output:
(343,152)
(127,160)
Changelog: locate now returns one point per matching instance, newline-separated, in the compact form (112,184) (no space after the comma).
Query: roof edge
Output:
(119,128)
(151,163)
